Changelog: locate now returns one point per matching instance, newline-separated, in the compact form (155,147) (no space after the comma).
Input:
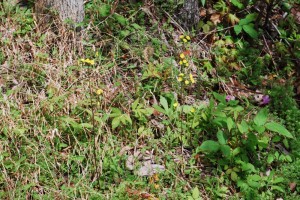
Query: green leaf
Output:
(86,125)
(243,127)
(104,10)
(275,127)
(270,159)
(230,123)
(251,17)
(261,117)
(203,2)
(210,146)
(225,150)
(237,3)
(206,28)
(122,20)
(249,29)
(115,122)
(163,101)
(220,98)
(221,137)
(134,104)
(196,193)
(234,176)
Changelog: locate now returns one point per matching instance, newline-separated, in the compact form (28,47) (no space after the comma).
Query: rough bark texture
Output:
(189,14)
(67,9)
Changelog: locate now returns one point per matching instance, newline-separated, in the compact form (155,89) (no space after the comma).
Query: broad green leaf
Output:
(221,98)
(206,28)
(196,193)
(234,176)
(115,122)
(261,117)
(221,137)
(237,3)
(134,104)
(243,127)
(275,127)
(280,189)
(163,101)
(210,146)
(230,123)
(225,150)
(251,17)
(249,29)
(270,158)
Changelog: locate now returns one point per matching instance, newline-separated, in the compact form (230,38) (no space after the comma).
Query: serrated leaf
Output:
(230,123)
(210,146)
(261,117)
(249,29)
(275,127)
(237,29)
(221,137)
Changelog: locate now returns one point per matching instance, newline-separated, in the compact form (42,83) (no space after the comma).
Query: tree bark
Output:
(189,14)
(67,9)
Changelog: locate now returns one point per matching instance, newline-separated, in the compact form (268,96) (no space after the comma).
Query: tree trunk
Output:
(67,9)
(189,14)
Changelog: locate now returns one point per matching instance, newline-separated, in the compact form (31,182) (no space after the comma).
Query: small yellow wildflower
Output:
(97,54)
(99,91)
(186,64)
(180,79)
(181,74)
(192,78)
(180,62)
(186,82)
(193,110)
(88,61)
(182,56)
(184,61)
(181,37)
(188,37)
(175,104)
(184,40)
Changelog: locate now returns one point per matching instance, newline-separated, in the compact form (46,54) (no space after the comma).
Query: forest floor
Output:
(135,107)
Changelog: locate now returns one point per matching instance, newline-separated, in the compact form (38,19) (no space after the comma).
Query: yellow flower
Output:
(186,64)
(180,62)
(181,74)
(97,54)
(182,56)
(193,110)
(181,37)
(184,61)
(192,78)
(88,61)
(188,37)
(186,82)
(99,91)
(175,104)
(184,40)
(180,79)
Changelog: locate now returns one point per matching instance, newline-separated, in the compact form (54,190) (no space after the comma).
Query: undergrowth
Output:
(135,107)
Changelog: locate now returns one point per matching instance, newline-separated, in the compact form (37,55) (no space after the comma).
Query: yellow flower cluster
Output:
(183,61)
(191,79)
(185,39)
(88,61)
(99,91)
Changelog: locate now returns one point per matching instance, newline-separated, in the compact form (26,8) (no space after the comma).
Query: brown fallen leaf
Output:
(215,18)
